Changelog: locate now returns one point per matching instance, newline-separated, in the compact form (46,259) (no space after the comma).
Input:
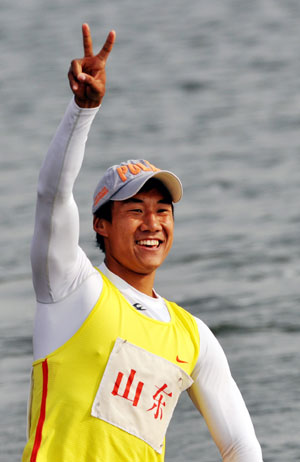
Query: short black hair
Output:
(105,211)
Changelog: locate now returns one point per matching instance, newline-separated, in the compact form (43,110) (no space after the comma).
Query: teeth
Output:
(149,242)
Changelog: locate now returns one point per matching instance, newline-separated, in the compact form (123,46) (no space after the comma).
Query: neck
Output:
(141,282)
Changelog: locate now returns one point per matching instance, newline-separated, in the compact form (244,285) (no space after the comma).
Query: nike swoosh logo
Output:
(180,360)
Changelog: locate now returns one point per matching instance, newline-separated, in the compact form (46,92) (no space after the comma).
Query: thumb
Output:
(94,89)
(82,77)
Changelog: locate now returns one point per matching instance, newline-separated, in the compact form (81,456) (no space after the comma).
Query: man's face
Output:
(140,235)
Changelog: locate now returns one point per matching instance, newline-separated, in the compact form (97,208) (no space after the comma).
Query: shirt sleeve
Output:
(216,395)
(59,265)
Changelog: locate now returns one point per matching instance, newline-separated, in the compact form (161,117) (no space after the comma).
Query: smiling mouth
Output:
(150,243)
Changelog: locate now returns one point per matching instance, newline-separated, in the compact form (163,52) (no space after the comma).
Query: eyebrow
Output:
(140,201)
(131,199)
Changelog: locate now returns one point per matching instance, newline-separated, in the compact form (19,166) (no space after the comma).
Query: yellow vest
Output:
(66,382)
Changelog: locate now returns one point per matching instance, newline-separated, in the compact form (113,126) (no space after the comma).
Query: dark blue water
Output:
(212,91)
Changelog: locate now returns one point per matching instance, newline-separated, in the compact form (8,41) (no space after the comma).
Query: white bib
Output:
(138,392)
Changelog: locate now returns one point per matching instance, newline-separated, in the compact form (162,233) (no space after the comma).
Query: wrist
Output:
(87,104)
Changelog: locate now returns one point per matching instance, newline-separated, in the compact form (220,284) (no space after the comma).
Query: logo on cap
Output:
(135,169)
(124,180)
(122,170)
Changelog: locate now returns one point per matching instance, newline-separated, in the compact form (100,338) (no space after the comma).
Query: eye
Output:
(164,210)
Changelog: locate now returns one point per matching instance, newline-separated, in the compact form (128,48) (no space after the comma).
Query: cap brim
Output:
(170,181)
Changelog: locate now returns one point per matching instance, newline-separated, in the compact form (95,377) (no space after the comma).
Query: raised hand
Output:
(87,75)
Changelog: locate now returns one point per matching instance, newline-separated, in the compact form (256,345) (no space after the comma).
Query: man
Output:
(111,356)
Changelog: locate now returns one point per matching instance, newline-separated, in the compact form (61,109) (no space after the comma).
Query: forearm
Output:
(219,400)
(228,422)
(65,154)
(55,254)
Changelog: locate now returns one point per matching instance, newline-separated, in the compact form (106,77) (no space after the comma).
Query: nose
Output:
(151,223)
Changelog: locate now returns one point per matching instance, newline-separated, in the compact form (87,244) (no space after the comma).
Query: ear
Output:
(100,225)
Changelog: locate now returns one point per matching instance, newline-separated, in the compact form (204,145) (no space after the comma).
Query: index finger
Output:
(87,40)
(107,47)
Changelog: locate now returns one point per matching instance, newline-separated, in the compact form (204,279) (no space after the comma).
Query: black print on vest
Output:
(139,307)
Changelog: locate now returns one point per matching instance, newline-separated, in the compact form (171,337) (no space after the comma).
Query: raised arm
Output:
(58,263)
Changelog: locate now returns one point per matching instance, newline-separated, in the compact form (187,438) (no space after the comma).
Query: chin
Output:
(146,269)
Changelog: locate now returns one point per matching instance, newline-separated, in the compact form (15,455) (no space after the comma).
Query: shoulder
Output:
(182,313)
(211,353)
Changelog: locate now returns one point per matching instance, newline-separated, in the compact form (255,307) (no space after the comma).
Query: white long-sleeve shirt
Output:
(67,287)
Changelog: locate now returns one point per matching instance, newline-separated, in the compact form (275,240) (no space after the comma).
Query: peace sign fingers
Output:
(87,75)
(87,41)
(107,47)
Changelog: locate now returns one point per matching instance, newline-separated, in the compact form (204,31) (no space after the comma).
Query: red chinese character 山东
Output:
(125,395)
(158,397)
